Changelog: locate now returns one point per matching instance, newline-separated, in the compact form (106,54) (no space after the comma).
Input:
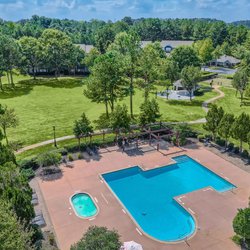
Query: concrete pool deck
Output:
(213,211)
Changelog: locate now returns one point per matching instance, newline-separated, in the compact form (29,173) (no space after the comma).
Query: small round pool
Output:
(83,205)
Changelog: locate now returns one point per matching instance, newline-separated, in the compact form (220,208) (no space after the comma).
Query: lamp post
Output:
(54,130)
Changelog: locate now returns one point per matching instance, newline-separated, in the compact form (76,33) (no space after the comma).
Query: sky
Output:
(227,10)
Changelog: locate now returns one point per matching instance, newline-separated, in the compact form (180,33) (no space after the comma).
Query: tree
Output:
(241,128)
(103,122)
(16,190)
(241,224)
(76,59)
(120,119)
(248,139)
(98,238)
(10,56)
(149,65)
(213,117)
(190,75)
(240,82)
(89,59)
(103,38)
(31,50)
(217,32)
(150,112)
(129,45)
(82,127)
(169,73)
(6,154)
(8,119)
(1,71)
(225,126)
(106,83)
(185,56)
(57,48)
(13,234)
(204,49)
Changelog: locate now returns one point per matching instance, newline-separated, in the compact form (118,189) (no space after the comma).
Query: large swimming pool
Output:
(148,195)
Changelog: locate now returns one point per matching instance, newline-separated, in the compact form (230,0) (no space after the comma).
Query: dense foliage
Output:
(98,238)
(13,234)
(16,210)
(241,225)
(154,29)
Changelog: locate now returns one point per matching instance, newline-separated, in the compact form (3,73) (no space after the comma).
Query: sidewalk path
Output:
(202,120)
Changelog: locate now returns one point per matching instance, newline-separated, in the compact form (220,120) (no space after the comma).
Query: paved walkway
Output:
(212,211)
(202,120)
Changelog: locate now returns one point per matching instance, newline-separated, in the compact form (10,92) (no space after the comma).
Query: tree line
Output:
(148,28)
(228,126)
(53,50)
(16,209)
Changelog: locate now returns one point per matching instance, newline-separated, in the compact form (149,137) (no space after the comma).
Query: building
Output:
(178,86)
(169,45)
(85,47)
(225,61)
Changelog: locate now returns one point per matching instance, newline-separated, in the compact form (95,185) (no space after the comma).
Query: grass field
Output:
(46,103)
(231,103)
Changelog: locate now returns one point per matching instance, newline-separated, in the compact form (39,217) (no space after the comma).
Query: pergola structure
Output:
(160,133)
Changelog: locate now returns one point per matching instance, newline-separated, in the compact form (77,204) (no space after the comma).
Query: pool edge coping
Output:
(175,198)
(137,225)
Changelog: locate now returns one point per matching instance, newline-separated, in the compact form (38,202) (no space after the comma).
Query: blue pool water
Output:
(148,195)
(83,205)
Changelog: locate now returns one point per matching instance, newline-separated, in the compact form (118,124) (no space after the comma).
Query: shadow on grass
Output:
(17,91)
(68,83)
(193,103)
(24,87)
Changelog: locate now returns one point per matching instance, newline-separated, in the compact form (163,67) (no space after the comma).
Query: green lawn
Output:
(231,103)
(58,103)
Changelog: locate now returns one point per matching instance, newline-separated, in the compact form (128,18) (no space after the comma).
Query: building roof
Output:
(172,43)
(230,59)
(85,47)
(178,84)
(164,43)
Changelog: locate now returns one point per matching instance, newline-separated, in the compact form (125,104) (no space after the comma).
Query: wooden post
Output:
(150,136)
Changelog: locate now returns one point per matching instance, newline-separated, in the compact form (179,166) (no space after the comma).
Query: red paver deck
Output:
(213,211)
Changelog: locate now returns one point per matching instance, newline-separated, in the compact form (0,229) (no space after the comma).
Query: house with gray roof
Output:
(225,61)
(169,45)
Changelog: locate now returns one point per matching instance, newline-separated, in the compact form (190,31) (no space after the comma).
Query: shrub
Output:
(28,173)
(62,151)
(198,92)
(245,154)
(237,240)
(230,146)
(49,159)
(182,141)
(29,163)
(80,156)
(220,142)
(201,137)
(70,157)
(236,150)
